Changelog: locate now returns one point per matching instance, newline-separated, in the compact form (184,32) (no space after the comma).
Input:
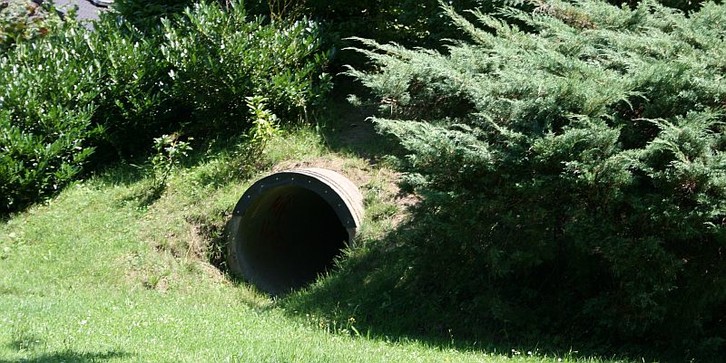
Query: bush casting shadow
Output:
(395,289)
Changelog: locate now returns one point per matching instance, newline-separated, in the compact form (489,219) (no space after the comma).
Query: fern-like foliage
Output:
(575,154)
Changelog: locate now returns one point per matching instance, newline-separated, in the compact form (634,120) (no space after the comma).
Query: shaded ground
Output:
(381,288)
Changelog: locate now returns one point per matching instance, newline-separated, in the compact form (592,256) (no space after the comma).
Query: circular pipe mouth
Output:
(288,228)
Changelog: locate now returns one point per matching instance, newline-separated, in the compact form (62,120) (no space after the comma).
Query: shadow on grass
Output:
(389,289)
(374,290)
(133,171)
(145,196)
(69,356)
(227,160)
(347,128)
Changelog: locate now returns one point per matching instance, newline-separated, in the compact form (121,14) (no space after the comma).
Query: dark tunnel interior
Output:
(287,237)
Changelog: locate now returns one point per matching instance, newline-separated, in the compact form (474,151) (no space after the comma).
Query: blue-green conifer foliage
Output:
(572,160)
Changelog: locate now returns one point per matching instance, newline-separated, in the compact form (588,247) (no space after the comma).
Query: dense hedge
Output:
(195,71)
(573,174)
(72,95)
(146,16)
(406,22)
(47,92)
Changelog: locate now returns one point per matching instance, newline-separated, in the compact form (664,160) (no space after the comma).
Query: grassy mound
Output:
(101,273)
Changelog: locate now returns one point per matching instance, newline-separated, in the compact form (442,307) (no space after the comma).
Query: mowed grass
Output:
(100,274)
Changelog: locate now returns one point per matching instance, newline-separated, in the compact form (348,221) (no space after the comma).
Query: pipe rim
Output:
(336,190)
(333,187)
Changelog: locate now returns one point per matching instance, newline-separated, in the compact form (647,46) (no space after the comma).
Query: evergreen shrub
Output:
(412,23)
(573,173)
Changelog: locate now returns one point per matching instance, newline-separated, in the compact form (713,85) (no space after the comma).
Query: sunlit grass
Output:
(94,275)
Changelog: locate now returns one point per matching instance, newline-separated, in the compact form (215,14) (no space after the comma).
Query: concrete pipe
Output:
(288,227)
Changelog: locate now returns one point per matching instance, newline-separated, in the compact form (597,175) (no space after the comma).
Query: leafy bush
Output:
(409,22)
(47,93)
(110,92)
(574,173)
(218,57)
(146,16)
(132,106)
(194,73)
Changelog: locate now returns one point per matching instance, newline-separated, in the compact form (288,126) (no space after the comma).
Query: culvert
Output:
(288,227)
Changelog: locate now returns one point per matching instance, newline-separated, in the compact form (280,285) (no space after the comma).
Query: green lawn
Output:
(97,275)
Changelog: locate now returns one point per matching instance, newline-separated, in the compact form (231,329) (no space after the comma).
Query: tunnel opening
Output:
(288,228)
